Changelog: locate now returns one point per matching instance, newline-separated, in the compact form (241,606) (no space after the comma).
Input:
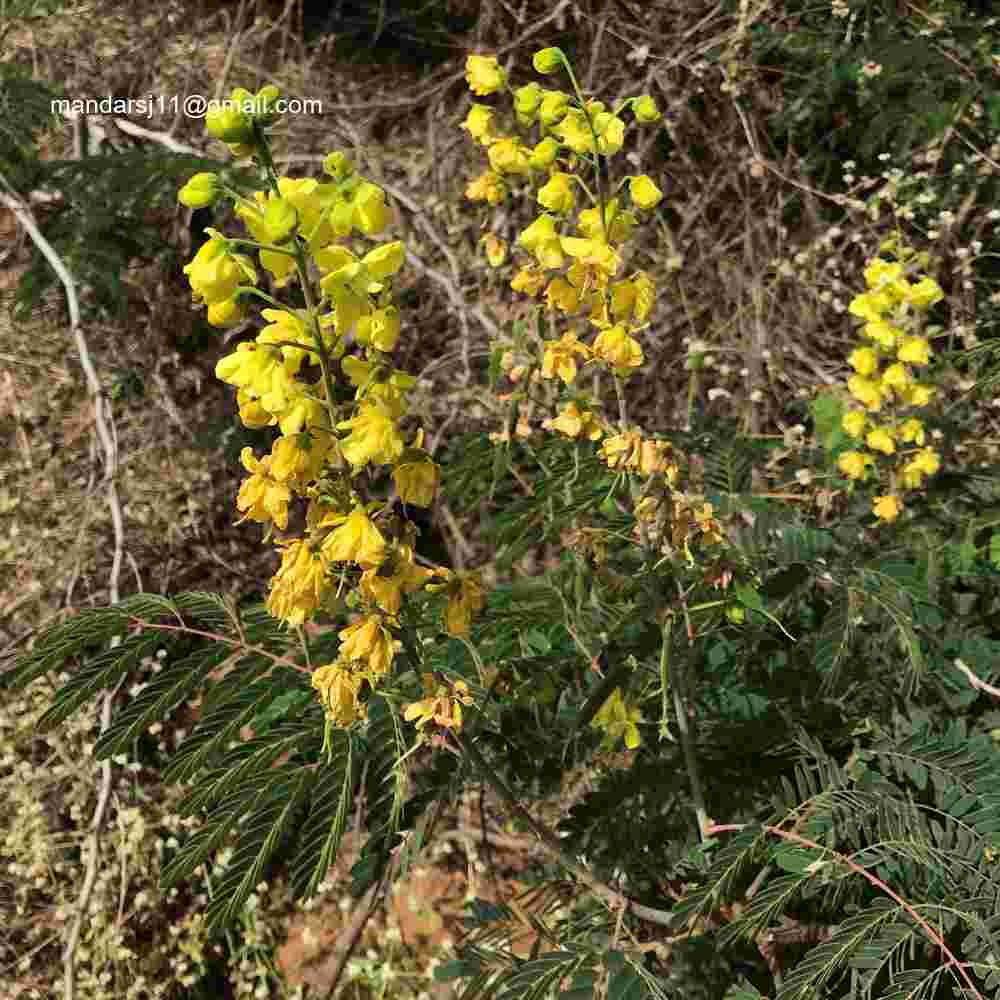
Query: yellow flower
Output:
(925,293)
(338,689)
(915,351)
(863,360)
(526,102)
(912,430)
(529,280)
(487,187)
(379,329)
(442,706)
(369,214)
(227,313)
(496,250)
(560,357)
(887,508)
(370,640)
(201,190)
(557,194)
(880,439)
(644,192)
(616,348)
(479,124)
(544,154)
(618,721)
(465,597)
(884,334)
(542,241)
(215,273)
(510,156)
(356,539)
(561,295)
(386,584)
(484,75)
(298,459)
(374,436)
(865,391)
(300,586)
(416,477)
(572,421)
(896,377)
(917,395)
(869,306)
(595,261)
(854,464)
(854,423)
(554,105)
(925,463)
(262,496)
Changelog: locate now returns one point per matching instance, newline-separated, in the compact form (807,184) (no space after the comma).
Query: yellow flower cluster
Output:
(574,256)
(285,377)
(892,311)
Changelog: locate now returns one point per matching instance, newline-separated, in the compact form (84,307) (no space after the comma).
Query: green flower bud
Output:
(200,191)
(337,165)
(645,110)
(229,124)
(548,60)
(527,99)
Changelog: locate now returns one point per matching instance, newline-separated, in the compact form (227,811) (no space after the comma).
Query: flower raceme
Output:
(350,550)
(884,382)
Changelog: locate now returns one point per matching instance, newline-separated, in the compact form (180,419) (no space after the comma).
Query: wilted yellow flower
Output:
(369,640)
(560,357)
(399,575)
(896,377)
(574,422)
(560,294)
(484,75)
(442,706)
(416,476)
(479,124)
(374,436)
(338,689)
(542,241)
(529,280)
(917,395)
(496,250)
(300,586)
(465,598)
(887,508)
(644,192)
(488,187)
(616,348)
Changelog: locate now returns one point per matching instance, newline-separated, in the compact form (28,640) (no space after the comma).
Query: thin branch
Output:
(977,682)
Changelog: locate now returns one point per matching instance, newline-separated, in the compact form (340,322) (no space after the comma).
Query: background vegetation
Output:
(798,136)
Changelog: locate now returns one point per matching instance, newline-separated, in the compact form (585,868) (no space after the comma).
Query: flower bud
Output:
(645,110)
(544,154)
(200,191)
(263,104)
(338,166)
(547,60)
(229,124)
